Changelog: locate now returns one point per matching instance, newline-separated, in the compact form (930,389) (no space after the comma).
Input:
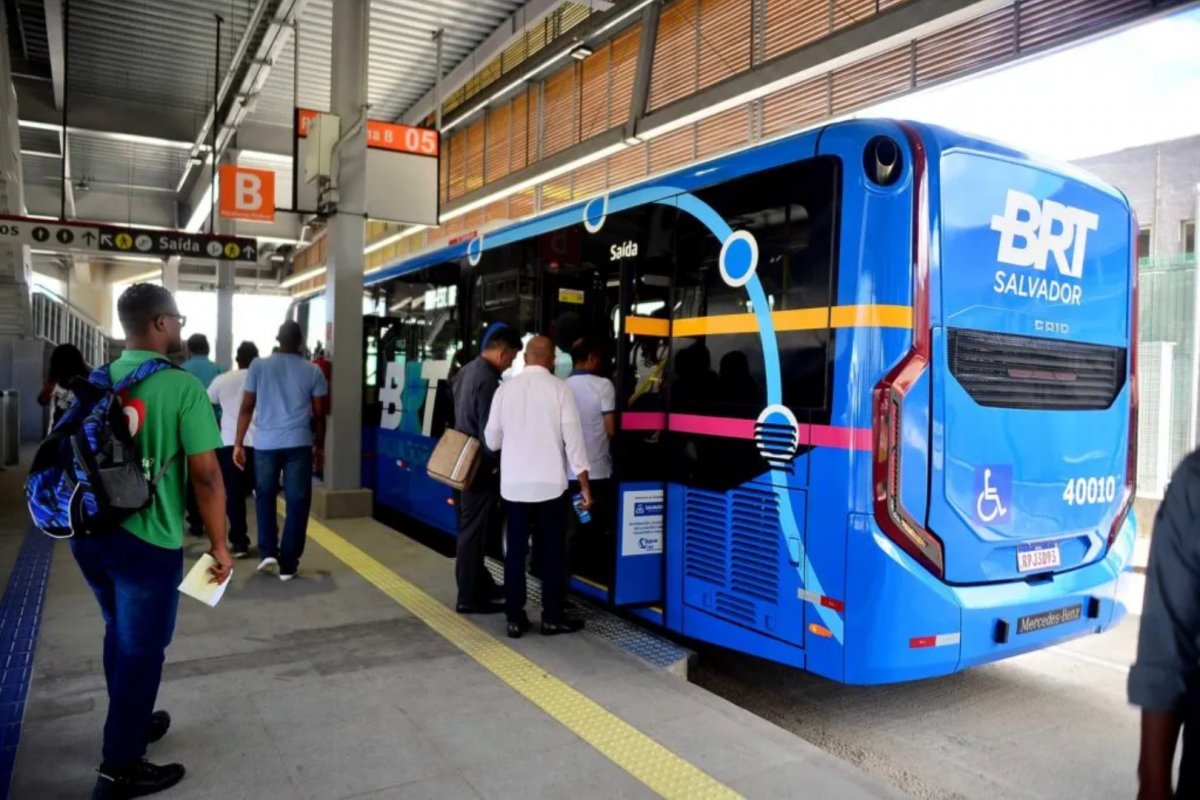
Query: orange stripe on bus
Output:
(647,326)
(800,319)
(871,317)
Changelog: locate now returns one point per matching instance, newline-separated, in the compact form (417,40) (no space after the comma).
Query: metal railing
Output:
(58,322)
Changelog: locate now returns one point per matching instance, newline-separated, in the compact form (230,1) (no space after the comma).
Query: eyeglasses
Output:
(182,319)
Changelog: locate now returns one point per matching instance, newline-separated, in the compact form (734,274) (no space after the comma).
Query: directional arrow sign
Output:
(94,237)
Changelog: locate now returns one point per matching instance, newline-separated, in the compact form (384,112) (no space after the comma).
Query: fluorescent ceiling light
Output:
(301,277)
(534,181)
(392,239)
(201,212)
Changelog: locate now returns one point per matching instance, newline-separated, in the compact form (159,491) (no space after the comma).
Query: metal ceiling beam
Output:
(54,39)
(105,117)
(272,26)
(500,40)
(596,28)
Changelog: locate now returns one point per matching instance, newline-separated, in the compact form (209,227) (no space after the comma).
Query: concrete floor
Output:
(325,688)
(1054,723)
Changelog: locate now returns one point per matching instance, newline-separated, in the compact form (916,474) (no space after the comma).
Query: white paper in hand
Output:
(198,582)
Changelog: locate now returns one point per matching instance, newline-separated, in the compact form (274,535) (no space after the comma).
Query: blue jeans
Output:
(136,585)
(296,465)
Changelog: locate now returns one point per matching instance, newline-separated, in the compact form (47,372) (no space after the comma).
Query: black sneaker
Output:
(135,780)
(160,723)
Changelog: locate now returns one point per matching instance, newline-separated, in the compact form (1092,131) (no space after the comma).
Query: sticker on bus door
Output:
(642,522)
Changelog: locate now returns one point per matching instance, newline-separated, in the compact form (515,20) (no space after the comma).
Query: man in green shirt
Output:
(135,570)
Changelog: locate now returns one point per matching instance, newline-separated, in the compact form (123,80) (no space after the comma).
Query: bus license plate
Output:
(1038,557)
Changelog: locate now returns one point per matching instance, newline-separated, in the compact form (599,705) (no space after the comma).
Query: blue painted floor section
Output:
(20,616)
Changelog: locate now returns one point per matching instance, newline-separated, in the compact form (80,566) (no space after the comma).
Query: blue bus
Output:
(877,392)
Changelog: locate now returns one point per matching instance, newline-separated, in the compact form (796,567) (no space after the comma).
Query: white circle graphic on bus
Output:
(475,251)
(739,258)
(777,434)
(594,213)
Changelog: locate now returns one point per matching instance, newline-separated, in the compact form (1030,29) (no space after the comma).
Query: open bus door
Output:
(640,454)
(611,282)
(639,447)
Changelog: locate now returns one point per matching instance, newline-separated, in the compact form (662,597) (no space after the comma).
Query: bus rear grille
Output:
(1006,371)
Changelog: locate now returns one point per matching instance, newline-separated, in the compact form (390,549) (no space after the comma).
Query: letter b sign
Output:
(247,193)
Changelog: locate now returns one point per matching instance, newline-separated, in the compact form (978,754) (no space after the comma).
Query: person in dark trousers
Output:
(205,370)
(535,425)
(225,393)
(1165,679)
(135,569)
(289,393)
(589,545)
(478,507)
(66,364)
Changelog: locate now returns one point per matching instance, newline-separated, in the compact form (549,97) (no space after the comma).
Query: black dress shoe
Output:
(515,629)
(160,723)
(479,608)
(135,780)
(565,625)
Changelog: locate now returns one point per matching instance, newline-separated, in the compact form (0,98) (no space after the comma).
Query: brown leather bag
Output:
(455,459)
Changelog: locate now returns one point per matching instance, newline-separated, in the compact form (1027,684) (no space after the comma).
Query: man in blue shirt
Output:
(1165,680)
(199,365)
(198,362)
(290,396)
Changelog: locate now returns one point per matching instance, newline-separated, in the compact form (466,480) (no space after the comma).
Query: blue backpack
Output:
(87,475)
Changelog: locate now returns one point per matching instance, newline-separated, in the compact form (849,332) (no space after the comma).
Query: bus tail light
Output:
(890,514)
(1131,450)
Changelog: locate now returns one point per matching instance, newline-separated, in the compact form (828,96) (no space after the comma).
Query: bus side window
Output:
(791,213)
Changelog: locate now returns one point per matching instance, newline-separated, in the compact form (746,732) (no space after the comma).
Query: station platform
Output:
(358,680)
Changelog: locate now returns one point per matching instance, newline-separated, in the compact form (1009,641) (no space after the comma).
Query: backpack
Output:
(87,476)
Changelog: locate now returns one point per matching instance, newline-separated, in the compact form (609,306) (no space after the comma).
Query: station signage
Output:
(124,240)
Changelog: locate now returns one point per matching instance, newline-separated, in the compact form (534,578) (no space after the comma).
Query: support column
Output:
(170,274)
(225,288)
(343,494)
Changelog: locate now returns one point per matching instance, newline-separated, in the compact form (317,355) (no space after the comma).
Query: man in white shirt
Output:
(534,424)
(596,399)
(225,392)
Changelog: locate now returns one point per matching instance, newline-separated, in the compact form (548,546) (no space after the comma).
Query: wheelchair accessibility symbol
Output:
(993,494)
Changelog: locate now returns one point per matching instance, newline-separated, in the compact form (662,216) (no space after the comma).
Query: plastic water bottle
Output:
(584,515)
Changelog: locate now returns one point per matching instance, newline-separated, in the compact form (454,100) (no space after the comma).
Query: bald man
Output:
(534,424)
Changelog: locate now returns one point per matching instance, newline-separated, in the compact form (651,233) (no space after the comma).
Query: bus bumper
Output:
(914,626)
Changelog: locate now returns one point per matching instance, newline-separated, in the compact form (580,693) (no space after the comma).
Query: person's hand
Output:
(239,457)
(220,571)
(587,499)
(318,458)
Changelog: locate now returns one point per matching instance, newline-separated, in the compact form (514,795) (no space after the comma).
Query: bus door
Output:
(639,242)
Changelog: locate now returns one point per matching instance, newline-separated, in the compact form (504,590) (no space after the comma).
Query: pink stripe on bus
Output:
(731,428)
(713,426)
(839,438)
(643,421)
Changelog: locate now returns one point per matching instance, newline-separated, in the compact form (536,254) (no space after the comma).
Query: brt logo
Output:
(1032,230)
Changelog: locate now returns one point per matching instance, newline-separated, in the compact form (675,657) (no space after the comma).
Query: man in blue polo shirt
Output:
(290,395)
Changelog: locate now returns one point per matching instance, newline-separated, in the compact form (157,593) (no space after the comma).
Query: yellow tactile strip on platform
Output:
(657,767)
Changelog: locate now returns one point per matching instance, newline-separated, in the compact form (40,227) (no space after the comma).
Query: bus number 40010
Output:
(1090,491)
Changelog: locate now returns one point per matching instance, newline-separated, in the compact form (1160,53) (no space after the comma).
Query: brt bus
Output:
(877,394)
